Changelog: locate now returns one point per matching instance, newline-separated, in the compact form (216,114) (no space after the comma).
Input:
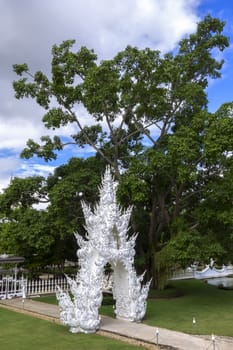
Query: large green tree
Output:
(131,93)
(149,118)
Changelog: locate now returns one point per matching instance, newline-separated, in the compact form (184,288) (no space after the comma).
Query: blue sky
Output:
(220,90)
(29,28)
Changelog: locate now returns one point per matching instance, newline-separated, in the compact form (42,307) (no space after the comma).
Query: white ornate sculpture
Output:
(106,241)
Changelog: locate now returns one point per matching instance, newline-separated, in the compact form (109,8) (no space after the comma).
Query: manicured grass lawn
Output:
(23,332)
(211,307)
(105,309)
(176,307)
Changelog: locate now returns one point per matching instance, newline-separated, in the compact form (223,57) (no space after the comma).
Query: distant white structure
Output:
(210,271)
(106,241)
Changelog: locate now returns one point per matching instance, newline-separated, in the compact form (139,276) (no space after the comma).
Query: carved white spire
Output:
(106,241)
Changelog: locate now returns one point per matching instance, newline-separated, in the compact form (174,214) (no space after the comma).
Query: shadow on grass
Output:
(168,293)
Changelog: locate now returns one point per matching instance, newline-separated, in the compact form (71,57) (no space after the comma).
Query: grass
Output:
(23,332)
(176,307)
(105,309)
(211,307)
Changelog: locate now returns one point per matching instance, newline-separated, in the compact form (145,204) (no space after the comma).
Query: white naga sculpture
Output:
(106,241)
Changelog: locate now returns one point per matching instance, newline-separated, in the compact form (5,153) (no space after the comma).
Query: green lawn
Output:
(176,307)
(211,307)
(23,332)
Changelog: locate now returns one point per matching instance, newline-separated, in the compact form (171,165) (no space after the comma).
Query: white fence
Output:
(183,274)
(45,286)
(11,287)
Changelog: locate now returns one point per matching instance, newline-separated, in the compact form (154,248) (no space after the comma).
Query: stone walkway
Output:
(139,332)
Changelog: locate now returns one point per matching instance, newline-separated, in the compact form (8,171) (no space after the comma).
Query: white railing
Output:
(11,287)
(45,286)
(183,274)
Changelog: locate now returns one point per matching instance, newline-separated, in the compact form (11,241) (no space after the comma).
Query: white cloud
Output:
(31,169)
(29,28)
(14,133)
(7,164)
(14,167)
(111,25)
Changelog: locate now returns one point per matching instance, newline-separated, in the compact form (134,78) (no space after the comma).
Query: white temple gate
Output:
(106,241)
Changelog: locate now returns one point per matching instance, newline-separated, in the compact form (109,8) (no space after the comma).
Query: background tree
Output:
(141,95)
(45,236)
(24,230)
(68,186)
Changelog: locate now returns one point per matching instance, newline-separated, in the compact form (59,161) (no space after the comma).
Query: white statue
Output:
(106,241)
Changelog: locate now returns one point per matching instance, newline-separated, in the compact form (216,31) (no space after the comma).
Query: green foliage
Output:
(132,189)
(218,139)
(190,247)
(19,69)
(180,184)
(23,193)
(101,91)
(24,230)
(139,88)
(163,264)
(94,133)
(27,236)
(46,236)
(47,151)
(56,117)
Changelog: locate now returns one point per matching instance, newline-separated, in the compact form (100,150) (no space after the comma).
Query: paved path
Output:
(130,330)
